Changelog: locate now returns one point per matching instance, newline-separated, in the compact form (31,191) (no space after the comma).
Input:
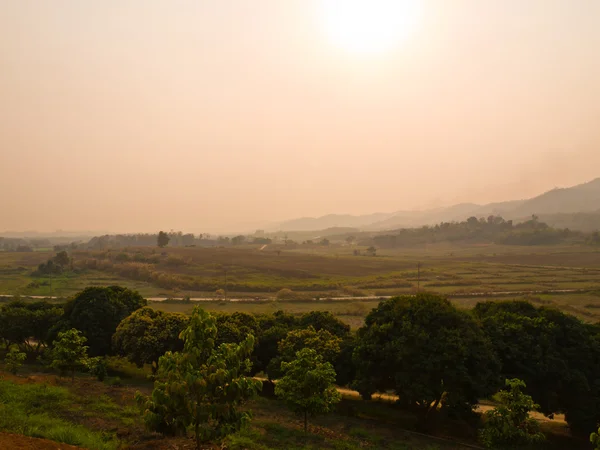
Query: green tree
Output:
(428,352)
(14,360)
(28,324)
(69,352)
(324,320)
(62,259)
(323,342)
(163,239)
(508,426)
(203,386)
(555,354)
(147,334)
(97,311)
(307,385)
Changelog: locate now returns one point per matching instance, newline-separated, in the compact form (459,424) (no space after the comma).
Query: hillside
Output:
(578,206)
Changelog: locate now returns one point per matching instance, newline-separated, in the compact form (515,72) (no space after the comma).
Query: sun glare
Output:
(369,26)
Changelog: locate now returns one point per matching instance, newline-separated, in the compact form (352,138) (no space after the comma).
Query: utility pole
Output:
(418,277)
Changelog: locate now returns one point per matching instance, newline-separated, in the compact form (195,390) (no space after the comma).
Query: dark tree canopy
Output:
(427,351)
(324,320)
(28,324)
(147,334)
(163,239)
(97,311)
(555,354)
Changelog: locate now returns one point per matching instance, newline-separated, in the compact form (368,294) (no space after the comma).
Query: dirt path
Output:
(19,442)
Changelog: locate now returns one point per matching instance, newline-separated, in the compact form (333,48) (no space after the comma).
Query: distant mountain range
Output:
(576,207)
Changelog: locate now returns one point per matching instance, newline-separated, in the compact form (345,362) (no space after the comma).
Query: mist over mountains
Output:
(576,207)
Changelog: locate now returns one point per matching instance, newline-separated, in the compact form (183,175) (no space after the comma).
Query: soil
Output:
(19,442)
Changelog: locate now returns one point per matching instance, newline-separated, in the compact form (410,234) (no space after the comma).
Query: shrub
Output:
(14,360)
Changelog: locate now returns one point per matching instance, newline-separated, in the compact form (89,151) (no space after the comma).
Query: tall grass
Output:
(34,410)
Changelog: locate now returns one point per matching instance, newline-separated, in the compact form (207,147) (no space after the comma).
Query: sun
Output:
(369,26)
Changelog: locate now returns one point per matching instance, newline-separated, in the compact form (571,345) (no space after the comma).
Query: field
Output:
(104,416)
(567,277)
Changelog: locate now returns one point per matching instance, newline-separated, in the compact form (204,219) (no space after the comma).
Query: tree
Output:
(307,385)
(147,334)
(509,426)
(555,354)
(69,352)
(324,320)
(28,324)
(350,240)
(62,259)
(323,342)
(96,312)
(238,240)
(14,360)
(203,385)
(428,352)
(324,242)
(163,239)
(372,251)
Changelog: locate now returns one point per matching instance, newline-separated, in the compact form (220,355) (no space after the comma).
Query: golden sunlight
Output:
(369,26)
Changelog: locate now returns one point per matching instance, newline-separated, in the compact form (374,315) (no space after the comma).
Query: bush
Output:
(14,360)
(509,426)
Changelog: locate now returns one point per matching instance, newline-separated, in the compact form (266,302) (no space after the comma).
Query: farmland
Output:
(466,273)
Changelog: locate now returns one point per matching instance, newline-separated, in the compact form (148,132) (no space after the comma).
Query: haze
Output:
(206,116)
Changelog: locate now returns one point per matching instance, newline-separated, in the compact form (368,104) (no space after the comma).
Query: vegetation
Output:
(426,351)
(202,386)
(14,360)
(27,325)
(307,385)
(147,334)
(509,425)
(69,352)
(163,239)
(96,312)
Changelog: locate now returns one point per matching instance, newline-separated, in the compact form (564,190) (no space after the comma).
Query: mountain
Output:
(556,207)
(581,198)
(329,221)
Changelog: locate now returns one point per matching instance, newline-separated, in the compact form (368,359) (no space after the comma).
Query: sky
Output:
(139,115)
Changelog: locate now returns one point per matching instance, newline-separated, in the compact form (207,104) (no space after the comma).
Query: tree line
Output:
(438,360)
(493,229)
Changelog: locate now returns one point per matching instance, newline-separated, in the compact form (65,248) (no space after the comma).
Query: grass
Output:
(318,272)
(34,410)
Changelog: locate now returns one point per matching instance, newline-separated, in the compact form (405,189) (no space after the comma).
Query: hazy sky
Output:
(205,115)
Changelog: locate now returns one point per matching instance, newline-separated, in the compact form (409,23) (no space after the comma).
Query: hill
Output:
(576,207)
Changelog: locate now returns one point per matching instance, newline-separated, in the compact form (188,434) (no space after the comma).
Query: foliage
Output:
(323,342)
(595,439)
(324,320)
(14,360)
(427,351)
(147,334)
(555,354)
(491,229)
(97,311)
(307,385)
(55,265)
(35,410)
(69,352)
(202,386)
(509,426)
(272,329)
(163,239)
(98,367)
(28,324)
